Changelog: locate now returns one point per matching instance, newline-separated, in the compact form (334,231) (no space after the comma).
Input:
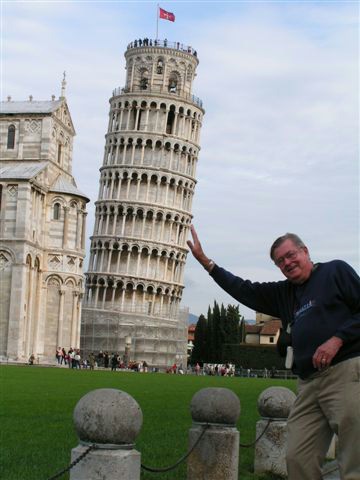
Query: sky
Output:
(279,81)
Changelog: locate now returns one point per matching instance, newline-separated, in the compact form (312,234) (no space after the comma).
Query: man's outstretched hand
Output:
(196,249)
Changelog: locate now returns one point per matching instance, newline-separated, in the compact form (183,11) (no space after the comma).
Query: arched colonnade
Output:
(135,186)
(132,297)
(143,223)
(159,117)
(146,152)
(151,262)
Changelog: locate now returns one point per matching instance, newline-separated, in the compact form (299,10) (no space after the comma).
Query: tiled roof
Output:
(253,328)
(21,170)
(63,186)
(271,328)
(29,107)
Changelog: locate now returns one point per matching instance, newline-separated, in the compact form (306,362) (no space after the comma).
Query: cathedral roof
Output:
(21,170)
(61,185)
(29,107)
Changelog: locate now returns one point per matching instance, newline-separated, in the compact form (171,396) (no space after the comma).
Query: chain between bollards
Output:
(152,469)
(181,459)
(248,445)
(76,461)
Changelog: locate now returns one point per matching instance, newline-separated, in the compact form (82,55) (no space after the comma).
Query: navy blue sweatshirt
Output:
(326,305)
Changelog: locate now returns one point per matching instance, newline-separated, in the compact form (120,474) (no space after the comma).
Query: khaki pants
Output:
(326,404)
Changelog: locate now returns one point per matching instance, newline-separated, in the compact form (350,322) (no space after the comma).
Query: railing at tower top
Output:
(148,42)
(157,89)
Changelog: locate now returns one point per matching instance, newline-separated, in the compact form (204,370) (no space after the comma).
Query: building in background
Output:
(42,231)
(134,281)
(265,331)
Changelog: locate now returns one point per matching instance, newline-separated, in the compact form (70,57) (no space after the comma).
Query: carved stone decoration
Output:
(5,261)
(12,190)
(53,282)
(71,263)
(33,126)
(54,262)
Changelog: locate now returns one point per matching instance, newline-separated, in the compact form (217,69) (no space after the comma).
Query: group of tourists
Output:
(146,42)
(72,357)
(102,359)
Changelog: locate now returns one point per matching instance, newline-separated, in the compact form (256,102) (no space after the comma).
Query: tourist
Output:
(319,305)
(71,355)
(31,359)
(106,360)
(91,361)
(76,359)
(114,362)
(58,355)
(100,359)
(63,356)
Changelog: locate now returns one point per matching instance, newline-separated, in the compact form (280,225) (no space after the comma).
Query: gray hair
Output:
(288,236)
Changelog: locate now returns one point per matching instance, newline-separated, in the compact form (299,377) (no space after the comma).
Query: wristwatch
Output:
(210,266)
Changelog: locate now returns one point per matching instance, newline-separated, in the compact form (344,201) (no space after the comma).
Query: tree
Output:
(199,352)
(242,330)
(216,341)
(222,327)
(209,336)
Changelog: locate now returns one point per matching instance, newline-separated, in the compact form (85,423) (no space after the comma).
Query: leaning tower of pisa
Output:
(135,276)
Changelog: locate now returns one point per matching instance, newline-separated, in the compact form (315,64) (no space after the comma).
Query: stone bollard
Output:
(216,457)
(274,404)
(110,419)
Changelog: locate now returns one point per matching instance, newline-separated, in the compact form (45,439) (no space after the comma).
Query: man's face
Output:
(293,261)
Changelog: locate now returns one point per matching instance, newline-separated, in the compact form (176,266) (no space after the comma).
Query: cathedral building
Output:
(42,231)
(134,281)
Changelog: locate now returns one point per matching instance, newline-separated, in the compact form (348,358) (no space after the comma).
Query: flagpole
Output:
(157,21)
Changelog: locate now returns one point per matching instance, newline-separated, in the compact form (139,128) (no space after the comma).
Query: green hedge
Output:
(252,356)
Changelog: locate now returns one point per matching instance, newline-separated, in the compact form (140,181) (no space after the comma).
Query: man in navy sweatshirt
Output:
(319,305)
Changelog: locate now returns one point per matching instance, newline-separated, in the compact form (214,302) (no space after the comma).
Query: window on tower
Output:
(56,212)
(144,83)
(11,137)
(59,154)
(160,67)
(173,82)
(172,86)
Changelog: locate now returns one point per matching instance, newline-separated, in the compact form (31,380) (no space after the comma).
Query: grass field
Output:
(37,403)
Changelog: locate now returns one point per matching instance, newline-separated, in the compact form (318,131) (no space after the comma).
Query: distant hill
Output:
(192,319)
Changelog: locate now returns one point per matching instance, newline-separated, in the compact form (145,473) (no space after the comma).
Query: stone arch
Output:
(28,260)
(7,257)
(70,282)
(54,280)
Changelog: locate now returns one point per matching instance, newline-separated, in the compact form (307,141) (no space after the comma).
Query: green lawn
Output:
(37,432)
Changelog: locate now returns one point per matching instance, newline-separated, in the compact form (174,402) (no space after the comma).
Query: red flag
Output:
(166,15)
